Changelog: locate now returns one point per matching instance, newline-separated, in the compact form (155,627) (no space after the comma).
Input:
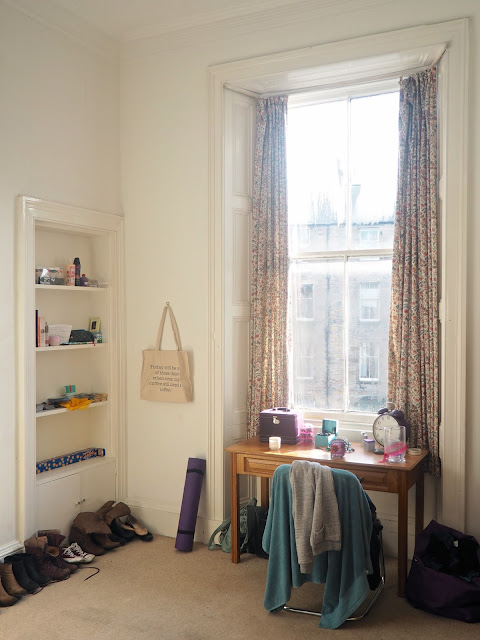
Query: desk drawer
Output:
(258,466)
(374,480)
(371,479)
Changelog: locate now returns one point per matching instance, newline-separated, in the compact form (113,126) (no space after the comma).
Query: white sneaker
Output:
(69,556)
(83,556)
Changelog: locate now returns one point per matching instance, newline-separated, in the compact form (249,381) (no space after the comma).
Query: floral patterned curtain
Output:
(413,368)
(268,380)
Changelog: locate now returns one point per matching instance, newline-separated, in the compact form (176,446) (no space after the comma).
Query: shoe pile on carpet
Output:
(48,557)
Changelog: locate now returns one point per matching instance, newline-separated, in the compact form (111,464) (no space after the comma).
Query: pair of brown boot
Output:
(91,530)
(29,571)
(47,556)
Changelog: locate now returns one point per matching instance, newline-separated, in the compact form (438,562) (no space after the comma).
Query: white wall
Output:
(59,132)
(165,187)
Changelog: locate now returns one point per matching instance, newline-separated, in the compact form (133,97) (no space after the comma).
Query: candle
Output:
(274,442)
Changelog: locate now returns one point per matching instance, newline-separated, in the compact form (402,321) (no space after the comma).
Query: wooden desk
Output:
(253,458)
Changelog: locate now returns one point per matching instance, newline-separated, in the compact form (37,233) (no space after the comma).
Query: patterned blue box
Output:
(69,458)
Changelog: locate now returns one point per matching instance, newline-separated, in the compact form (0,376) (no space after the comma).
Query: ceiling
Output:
(132,19)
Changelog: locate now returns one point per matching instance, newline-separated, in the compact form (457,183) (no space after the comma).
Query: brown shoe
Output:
(119,510)
(103,509)
(20,572)
(85,541)
(44,564)
(59,562)
(39,542)
(9,581)
(104,541)
(54,537)
(6,600)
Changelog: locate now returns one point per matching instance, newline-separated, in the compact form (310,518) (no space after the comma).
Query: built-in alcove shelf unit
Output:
(52,235)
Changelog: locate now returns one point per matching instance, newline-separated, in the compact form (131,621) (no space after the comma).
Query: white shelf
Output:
(71,469)
(52,233)
(67,347)
(53,412)
(64,287)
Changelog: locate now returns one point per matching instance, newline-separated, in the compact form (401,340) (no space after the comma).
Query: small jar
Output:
(274,443)
(368,444)
(337,448)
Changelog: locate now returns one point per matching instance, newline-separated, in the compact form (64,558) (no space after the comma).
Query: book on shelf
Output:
(42,332)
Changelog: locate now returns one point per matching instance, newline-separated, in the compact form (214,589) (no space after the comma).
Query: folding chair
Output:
(344,572)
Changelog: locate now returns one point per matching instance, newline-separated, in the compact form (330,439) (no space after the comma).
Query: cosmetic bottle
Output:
(76,262)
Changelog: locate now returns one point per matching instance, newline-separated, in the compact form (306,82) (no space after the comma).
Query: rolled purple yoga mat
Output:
(189,509)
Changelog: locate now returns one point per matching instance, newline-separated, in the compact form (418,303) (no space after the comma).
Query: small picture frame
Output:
(94,325)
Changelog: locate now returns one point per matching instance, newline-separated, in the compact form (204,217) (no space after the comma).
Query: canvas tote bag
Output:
(166,374)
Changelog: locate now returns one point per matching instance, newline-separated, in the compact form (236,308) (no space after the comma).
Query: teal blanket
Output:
(344,572)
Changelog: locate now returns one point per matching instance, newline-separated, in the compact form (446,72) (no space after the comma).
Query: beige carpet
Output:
(150,591)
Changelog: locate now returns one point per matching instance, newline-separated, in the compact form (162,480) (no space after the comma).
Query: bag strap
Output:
(211,544)
(226,524)
(173,322)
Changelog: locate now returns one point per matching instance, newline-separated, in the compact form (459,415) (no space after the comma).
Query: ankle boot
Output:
(119,510)
(21,574)
(54,537)
(44,565)
(36,542)
(59,562)
(85,541)
(103,540)
(9,581)
(39,577)
(6,600)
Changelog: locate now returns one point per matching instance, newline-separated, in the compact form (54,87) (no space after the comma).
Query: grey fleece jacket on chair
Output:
(315,511)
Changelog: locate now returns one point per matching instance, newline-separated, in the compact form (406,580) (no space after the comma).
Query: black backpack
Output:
(256,520)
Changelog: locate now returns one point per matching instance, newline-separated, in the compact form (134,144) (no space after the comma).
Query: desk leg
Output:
(419,500)
(402,534)
(234,499)
(264,492)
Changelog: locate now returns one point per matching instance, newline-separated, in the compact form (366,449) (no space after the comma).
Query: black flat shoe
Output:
(138,529)
(119,529)
(116,538)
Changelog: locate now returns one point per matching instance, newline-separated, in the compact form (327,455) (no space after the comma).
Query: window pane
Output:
(317,345)
(368,361)
(369,303)
(316,148)
(369,281)
(374,159)
(305,302)
(304,361)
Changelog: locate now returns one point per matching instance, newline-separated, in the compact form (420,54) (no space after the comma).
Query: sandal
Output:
(139,530)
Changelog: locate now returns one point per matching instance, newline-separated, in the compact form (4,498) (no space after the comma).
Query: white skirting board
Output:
(164,522)
(10,547)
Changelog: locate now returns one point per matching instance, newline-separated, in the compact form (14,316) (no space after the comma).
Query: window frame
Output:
(402,50)
(347,417)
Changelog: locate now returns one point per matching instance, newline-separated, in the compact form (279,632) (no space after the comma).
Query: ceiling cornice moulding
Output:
(71,26)
(151,43)
(210,17)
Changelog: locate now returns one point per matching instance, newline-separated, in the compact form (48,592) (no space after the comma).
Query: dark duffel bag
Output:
(445,574)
